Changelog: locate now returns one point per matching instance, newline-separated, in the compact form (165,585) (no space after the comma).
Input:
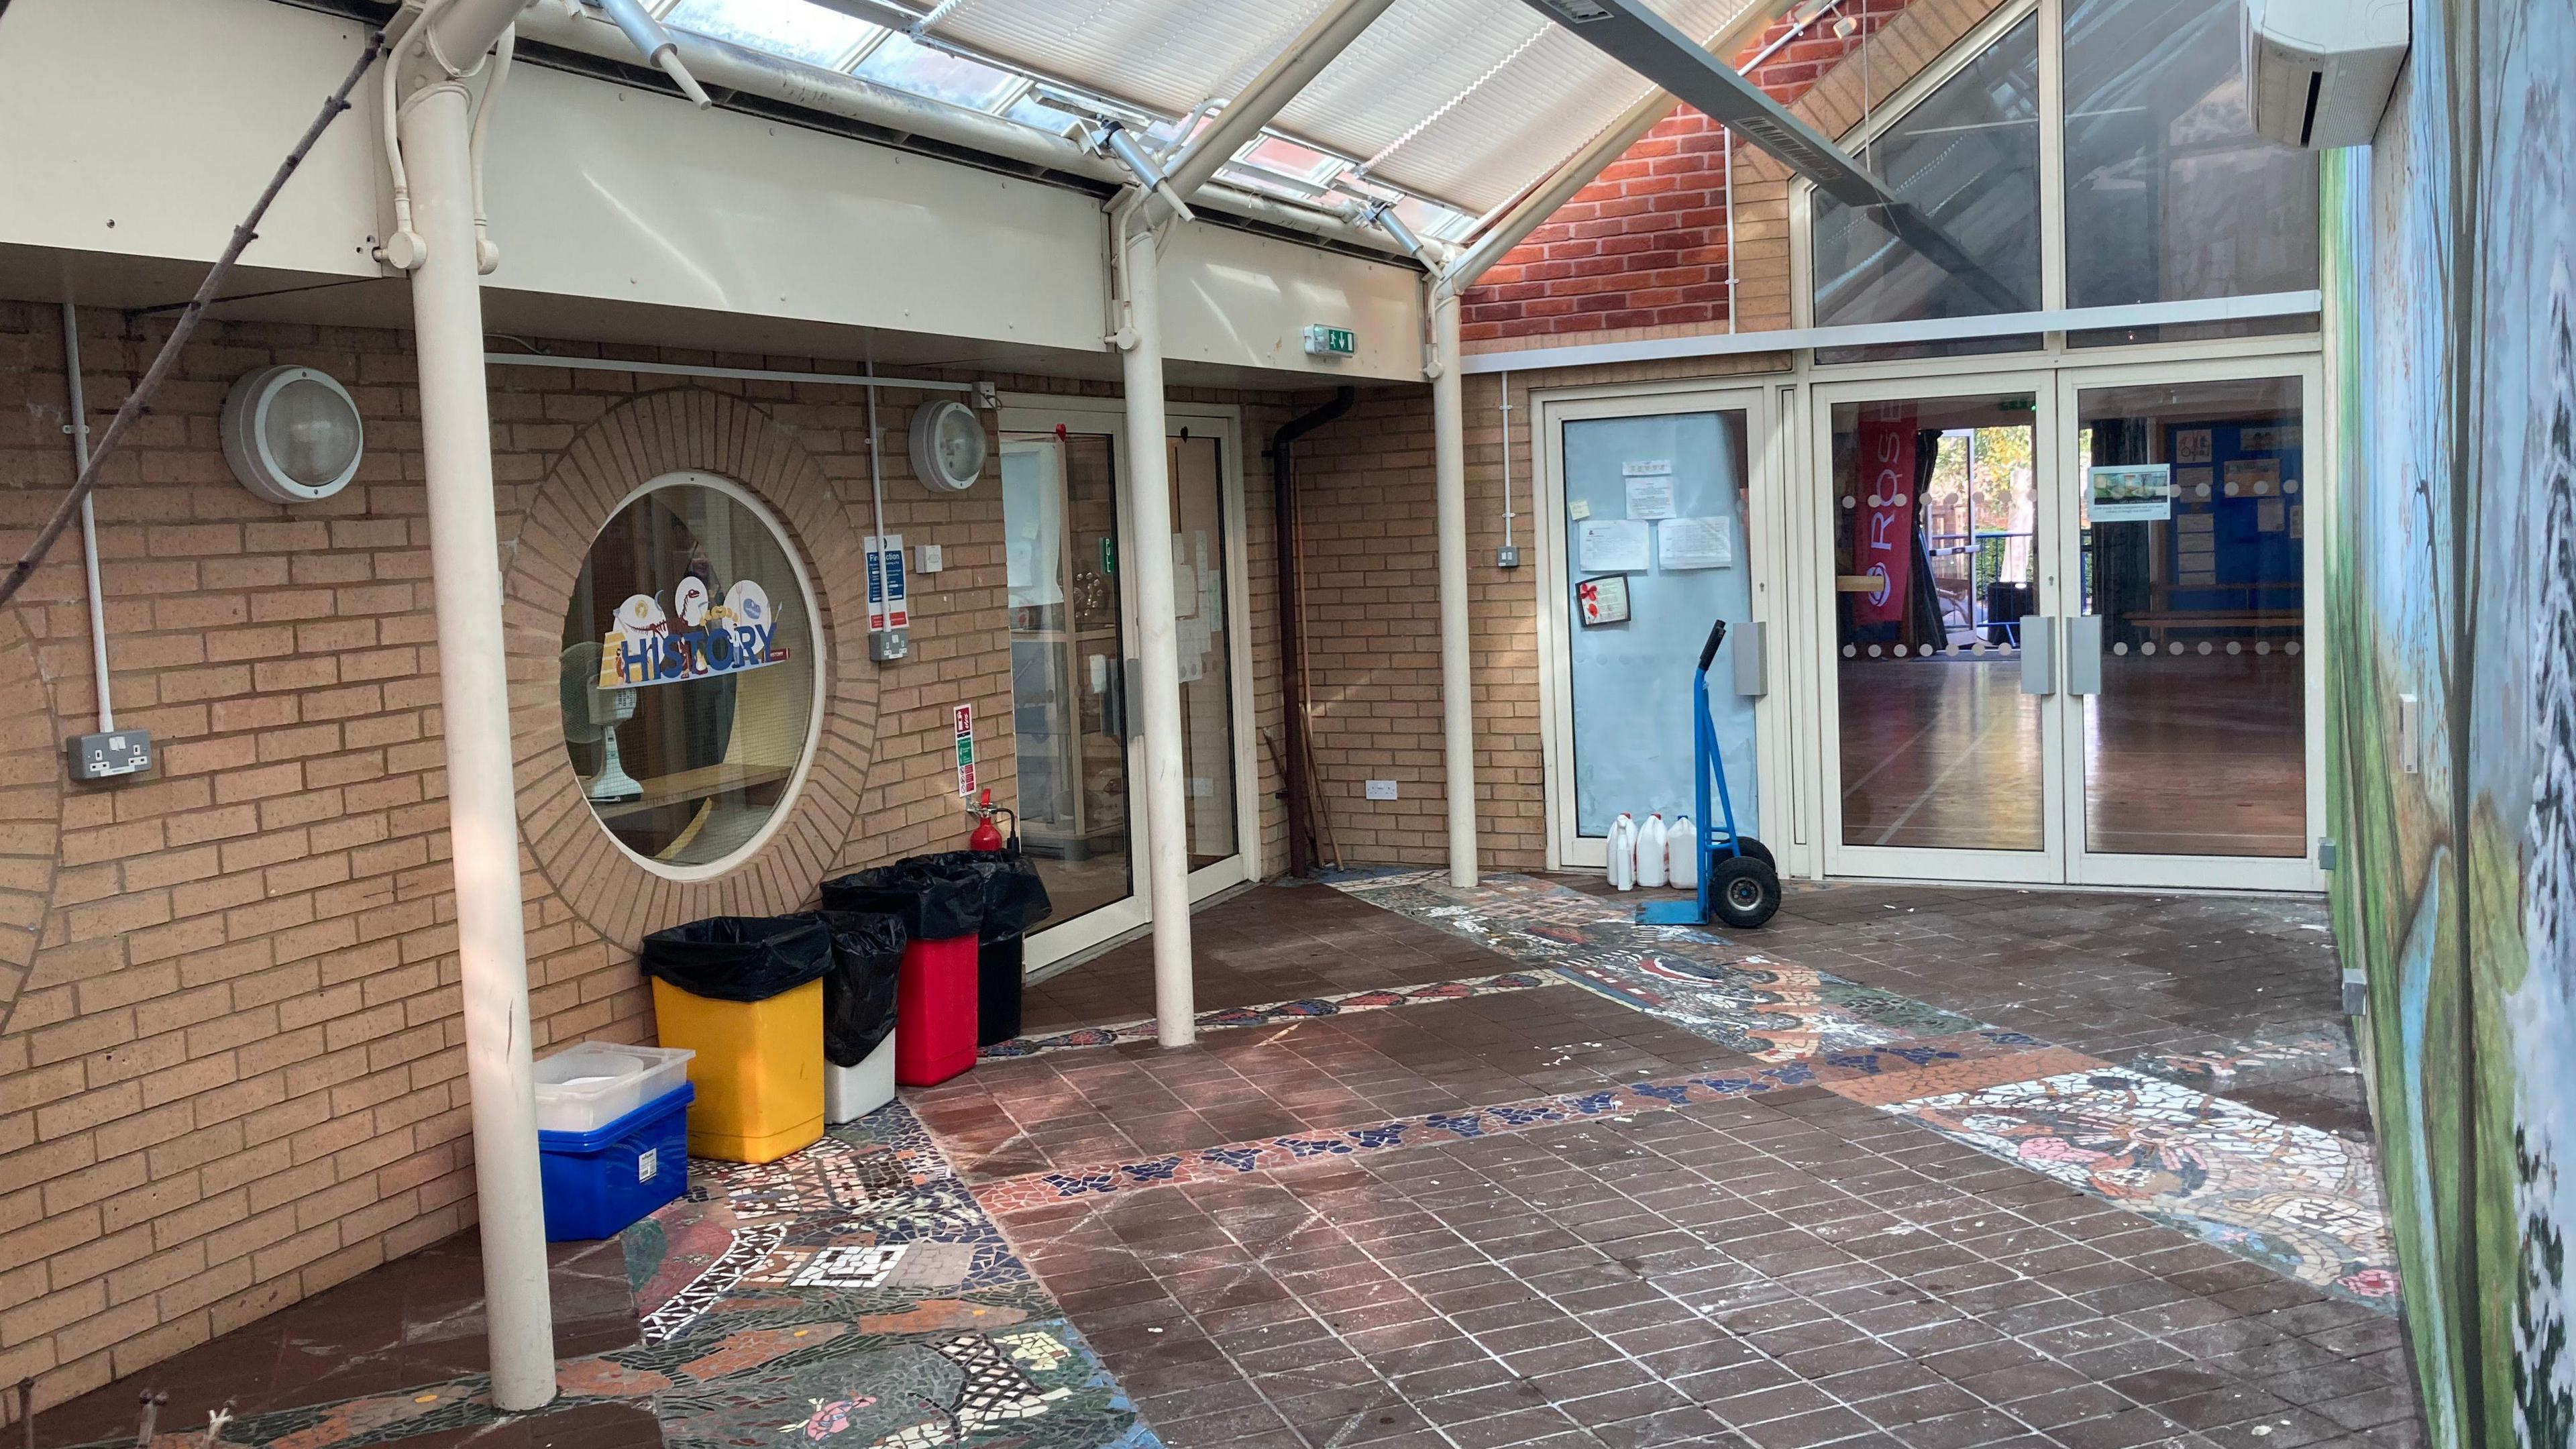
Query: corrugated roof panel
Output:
(1166,54)
(1469,101)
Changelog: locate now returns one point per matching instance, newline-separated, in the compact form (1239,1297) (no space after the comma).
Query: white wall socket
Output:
(926,559)
(1381,789)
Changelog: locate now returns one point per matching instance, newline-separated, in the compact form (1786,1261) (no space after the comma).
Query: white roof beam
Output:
(1585,166)
(1269,92)
(1630,32)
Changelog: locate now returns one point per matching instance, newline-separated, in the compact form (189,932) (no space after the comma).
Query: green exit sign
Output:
(1323,341)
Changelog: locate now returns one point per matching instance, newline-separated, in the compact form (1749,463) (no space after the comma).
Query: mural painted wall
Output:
(2452,580)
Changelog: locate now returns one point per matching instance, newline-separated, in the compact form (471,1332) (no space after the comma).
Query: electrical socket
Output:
(1507,557)
(1381,789)
(109,756)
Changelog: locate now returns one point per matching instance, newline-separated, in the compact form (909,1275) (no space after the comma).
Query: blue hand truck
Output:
(1739,883)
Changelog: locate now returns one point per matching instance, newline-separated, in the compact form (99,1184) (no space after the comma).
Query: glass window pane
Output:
(2170,196)
(1966,160)
(1199,609)
(906,66)
(1068,695)
(688,674)
(1935,543)
(2194,561)
(796,29)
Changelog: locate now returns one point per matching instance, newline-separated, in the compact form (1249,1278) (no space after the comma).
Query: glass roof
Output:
(1446,108)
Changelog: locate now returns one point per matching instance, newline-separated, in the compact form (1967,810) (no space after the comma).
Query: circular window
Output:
(688,681)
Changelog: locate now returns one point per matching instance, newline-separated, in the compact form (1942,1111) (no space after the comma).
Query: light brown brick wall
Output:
(231,1060)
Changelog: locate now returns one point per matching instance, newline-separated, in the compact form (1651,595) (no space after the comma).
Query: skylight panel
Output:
(791,28)
(908,65)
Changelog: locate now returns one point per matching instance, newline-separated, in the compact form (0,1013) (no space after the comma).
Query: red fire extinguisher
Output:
(987,836)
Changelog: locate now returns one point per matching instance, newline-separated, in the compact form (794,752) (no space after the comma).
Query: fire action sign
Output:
(709,637)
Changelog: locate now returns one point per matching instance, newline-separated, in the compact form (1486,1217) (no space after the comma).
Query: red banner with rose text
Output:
(1883,514)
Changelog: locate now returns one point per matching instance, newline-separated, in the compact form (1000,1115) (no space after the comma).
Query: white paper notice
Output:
(1185,591)
(1650,497)
(1613,546)
(1695,543)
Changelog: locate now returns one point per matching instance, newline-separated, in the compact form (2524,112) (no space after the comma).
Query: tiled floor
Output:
(1269,943)
(417,1320)
(1778,1191)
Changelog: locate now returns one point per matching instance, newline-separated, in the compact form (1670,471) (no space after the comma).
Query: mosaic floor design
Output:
(1922,1062)
(852,1294)
(2253,1063)
(2150,1137)
(2302,1200)
(1312,1006)
(1692,976)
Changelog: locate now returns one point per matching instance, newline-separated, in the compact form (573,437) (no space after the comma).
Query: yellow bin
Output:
(758,1070)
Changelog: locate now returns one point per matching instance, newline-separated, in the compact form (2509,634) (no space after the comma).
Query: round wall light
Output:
(948,446)
(292,434)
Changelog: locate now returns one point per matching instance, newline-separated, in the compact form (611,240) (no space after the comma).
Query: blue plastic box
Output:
(599,1181)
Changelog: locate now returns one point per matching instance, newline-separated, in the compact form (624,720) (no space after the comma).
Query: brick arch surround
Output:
(631,444)
(31,816)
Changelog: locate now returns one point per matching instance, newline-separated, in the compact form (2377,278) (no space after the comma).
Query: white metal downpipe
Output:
(1167,847)
(482,808)
(1457,662)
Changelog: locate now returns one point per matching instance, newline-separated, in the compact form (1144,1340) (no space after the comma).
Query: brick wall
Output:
(231,1060)
(1642,251)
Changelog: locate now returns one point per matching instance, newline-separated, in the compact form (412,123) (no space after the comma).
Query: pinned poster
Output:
(2130,493)
(1650,488)
(964,715)
(1695,543)
(1602,601)
(888,607)
(1613,546)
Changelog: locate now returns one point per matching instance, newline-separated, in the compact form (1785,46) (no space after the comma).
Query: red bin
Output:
(934,1019)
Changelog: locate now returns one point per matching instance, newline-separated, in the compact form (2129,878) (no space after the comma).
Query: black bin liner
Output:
(858,992)
(1000,980)
(935,903)
(740,958)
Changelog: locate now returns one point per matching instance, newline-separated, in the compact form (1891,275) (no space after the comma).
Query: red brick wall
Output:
(1645,245)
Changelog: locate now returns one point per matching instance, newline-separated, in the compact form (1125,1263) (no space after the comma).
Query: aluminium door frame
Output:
(2203,872)
(1551,408)
(1821,653)
(1042,412)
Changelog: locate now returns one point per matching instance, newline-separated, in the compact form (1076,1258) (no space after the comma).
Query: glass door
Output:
(1077,726)
(1940,541)
(1648,538)
(2190,690)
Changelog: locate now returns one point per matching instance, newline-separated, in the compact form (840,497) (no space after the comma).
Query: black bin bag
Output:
(935,903)
(858,992)
(740,958)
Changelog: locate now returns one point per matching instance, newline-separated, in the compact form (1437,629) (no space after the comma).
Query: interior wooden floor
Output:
(2183,755)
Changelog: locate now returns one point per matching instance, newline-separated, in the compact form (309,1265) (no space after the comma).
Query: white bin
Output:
(586,1086)
(850,1093)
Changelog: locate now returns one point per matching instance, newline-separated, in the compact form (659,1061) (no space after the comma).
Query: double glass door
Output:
(1076,715)
(2068,629)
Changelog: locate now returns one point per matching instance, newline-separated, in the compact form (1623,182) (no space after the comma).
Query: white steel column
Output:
(1149,521)
(1457,662)
(482,808)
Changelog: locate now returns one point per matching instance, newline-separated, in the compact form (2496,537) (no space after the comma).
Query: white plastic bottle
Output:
(1651,841)
(1682,852)
(1623,853)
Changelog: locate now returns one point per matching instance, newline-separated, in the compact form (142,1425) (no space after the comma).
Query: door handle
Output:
(1116,703)
(2083,654)
(2038,654)
(1752,660)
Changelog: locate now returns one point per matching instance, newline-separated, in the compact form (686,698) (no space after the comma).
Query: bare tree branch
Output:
(141,398)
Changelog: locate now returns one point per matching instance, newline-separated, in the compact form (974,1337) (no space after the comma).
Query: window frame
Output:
(1884,114)
(818,626)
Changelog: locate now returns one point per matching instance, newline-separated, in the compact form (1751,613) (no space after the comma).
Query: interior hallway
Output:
(1410,1189)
